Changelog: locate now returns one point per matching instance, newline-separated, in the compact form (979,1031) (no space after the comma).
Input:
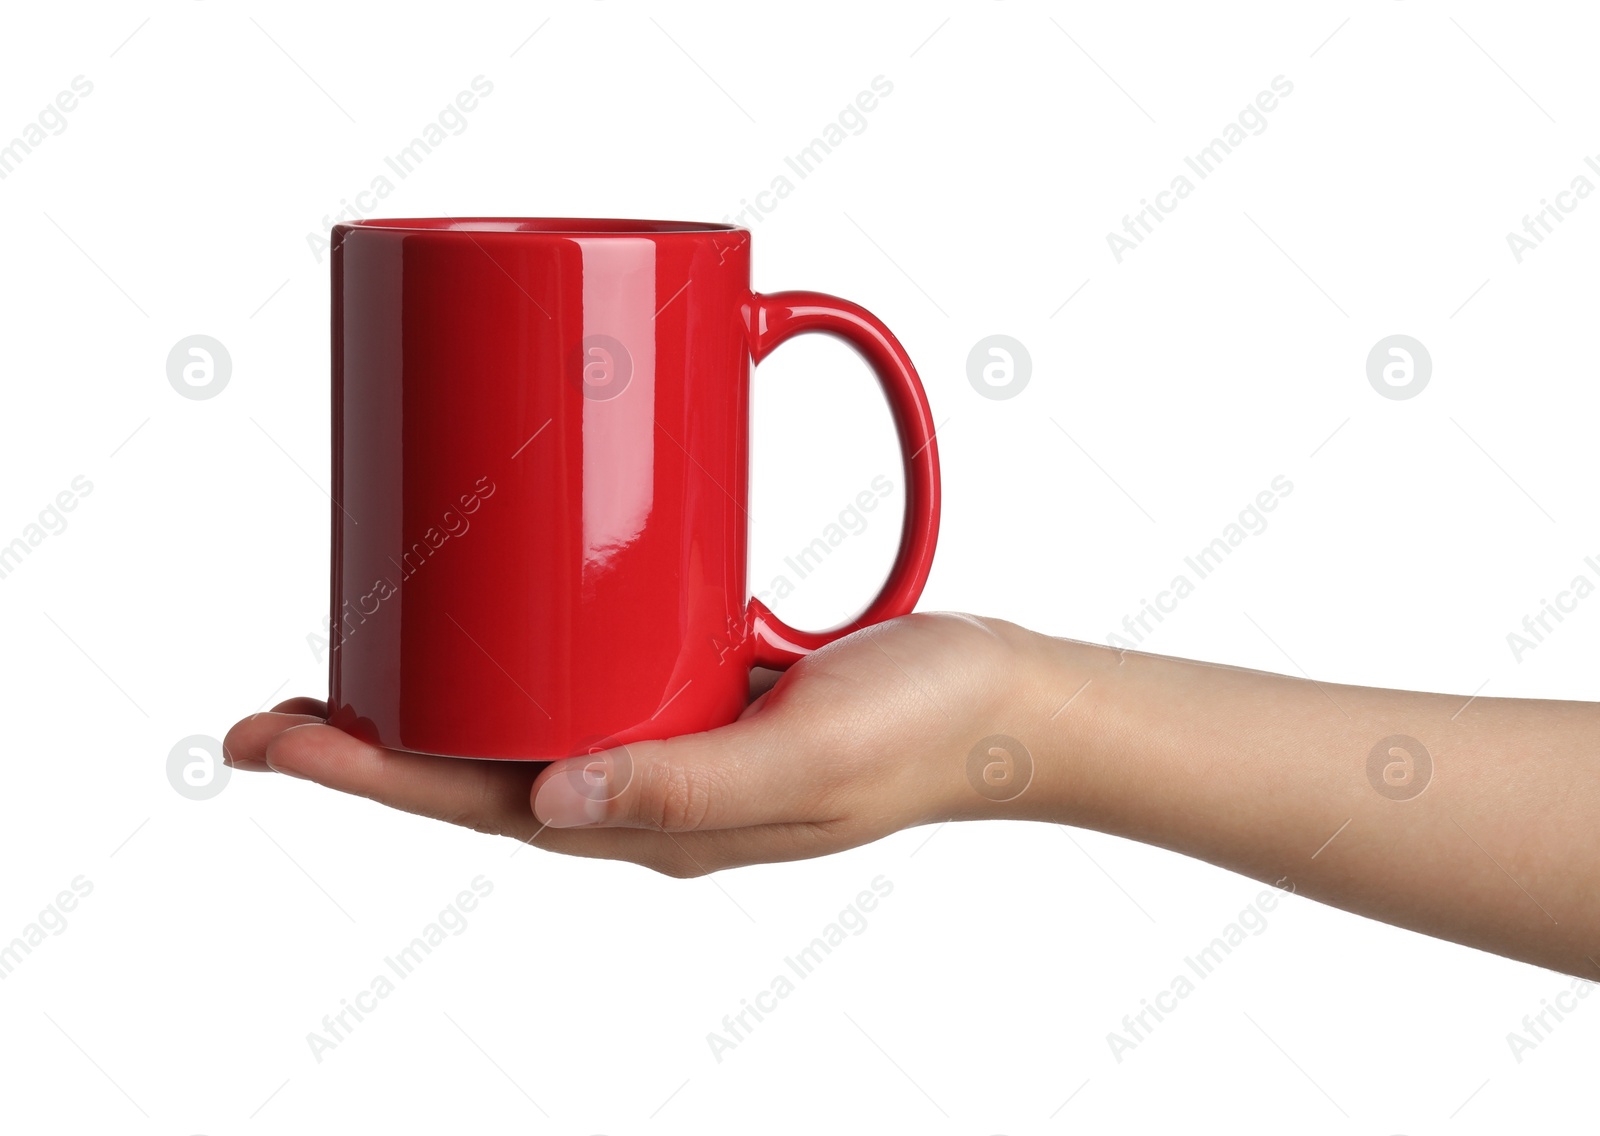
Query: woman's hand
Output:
(867,736)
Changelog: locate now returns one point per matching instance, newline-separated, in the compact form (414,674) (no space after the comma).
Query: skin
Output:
(1260,773)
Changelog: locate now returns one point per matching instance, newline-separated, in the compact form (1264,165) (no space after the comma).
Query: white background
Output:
(1173,387)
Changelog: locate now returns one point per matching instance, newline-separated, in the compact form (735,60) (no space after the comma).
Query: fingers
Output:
(493,797)
(484,795)
(245,747)
(303,706)
(752,774)
(749,773)
(246,744)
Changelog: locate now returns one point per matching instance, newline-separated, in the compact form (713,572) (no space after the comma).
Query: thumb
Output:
(739,775)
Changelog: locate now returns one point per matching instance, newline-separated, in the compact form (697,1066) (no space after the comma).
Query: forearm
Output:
(1497,847)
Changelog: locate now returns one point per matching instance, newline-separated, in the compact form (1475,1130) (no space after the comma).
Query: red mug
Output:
(540,463)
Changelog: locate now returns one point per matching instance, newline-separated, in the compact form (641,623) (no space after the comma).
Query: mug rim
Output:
(539,226)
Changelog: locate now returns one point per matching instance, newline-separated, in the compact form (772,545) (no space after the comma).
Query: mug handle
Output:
(777,316)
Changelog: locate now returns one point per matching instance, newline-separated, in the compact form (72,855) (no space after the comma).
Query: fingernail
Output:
(575,796)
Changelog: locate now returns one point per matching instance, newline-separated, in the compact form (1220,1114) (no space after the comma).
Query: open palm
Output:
(864,737)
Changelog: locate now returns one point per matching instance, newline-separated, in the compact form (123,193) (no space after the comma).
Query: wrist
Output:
(1038,734)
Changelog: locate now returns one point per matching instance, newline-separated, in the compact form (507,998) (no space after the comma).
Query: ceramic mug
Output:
(540,464)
